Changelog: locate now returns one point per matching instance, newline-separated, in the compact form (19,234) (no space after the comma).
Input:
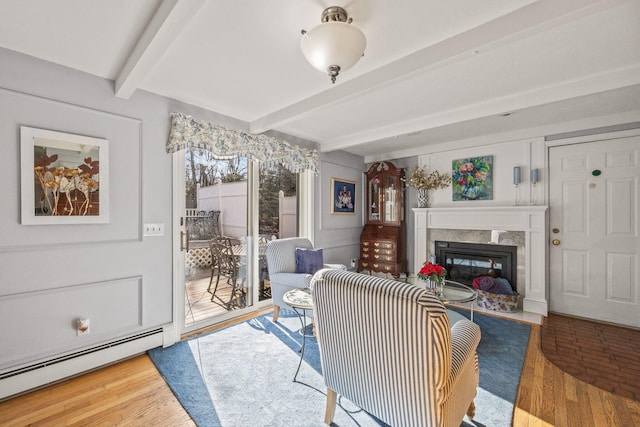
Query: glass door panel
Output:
(390,197)
(277,216)
(375,199)
(218,259)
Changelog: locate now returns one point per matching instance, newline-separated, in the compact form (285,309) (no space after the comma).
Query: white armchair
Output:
(281,264)
(387,346)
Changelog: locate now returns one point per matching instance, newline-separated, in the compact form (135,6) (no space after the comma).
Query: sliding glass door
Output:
(232,208)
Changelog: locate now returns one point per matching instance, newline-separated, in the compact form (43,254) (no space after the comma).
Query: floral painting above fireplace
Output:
(472,178)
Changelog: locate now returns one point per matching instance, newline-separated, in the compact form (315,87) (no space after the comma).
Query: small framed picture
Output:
(343,196)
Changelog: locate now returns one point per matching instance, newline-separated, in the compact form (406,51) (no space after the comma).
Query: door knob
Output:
(556,230)
(556,242)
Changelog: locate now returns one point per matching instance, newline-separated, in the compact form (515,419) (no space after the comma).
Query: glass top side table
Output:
(454,292)
(300,301)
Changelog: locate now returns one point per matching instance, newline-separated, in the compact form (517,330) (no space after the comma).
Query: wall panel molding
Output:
(114,307)
(125,146)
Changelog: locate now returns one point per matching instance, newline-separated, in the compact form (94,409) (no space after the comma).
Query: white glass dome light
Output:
(334,45)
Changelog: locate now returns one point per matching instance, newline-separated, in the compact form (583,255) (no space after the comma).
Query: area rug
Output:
(597,353)
(243,375)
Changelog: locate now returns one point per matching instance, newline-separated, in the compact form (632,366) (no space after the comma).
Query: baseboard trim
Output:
(55,369)
(535,306)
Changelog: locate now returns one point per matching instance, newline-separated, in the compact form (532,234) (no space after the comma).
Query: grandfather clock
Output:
(383,238)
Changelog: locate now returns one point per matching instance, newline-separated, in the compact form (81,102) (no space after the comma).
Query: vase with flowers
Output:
(434,276)
(422,182)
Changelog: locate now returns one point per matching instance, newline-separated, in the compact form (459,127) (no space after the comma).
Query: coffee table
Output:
(300,301)
(454,292)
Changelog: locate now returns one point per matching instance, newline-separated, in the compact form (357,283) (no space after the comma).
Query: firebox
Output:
(466,261)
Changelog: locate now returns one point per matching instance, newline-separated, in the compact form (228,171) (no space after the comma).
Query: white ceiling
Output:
(433,71)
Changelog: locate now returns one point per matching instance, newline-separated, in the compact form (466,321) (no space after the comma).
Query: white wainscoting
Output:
(47,319)
(532,220)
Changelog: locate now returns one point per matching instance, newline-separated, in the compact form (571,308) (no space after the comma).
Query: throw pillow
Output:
(308,261)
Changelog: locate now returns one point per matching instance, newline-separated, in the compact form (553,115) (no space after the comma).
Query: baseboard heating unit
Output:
(44,372)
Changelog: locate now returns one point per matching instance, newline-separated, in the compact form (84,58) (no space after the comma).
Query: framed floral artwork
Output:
(472,178)
(64,178)
(343,196)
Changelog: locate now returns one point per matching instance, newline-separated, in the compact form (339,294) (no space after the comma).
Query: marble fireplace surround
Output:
(531,220)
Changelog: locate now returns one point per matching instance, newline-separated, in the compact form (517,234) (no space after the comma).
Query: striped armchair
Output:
(387,346)
(281,264)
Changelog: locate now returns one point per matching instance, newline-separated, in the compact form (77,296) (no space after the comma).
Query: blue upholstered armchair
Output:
(389,348)
(281,263)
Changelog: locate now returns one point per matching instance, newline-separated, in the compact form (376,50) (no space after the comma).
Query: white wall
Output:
(526,154)
(339,234)
(52,274)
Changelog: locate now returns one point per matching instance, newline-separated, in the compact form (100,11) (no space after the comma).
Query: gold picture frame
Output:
(343,196)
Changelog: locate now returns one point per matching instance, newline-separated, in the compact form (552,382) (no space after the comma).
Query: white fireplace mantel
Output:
(532,220)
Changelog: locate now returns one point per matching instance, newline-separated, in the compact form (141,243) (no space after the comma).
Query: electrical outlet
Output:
(353,263)
(154,229)
(83,326)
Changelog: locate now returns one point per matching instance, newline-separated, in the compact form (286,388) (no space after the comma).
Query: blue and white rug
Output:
(243,375)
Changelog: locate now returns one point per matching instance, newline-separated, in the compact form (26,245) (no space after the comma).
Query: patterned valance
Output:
(226,143)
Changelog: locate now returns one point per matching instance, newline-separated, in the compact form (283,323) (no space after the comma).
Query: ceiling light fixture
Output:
(334,45)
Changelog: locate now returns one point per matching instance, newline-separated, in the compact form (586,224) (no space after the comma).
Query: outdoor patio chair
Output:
(225,263)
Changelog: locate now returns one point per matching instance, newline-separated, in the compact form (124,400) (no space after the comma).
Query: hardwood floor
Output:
(594,352)
(129,393)
(548,396)
(198,304)
(132,393)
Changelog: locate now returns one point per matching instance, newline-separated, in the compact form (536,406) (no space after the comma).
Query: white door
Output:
(595,247)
